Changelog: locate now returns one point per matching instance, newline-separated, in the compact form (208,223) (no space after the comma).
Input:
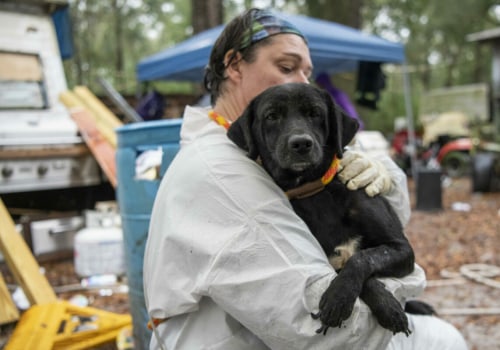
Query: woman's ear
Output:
(232,63)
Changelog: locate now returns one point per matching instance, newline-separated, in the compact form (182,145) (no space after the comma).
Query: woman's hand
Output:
(357,170)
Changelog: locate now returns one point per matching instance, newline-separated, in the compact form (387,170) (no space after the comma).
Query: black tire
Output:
(456,164)
(482,172)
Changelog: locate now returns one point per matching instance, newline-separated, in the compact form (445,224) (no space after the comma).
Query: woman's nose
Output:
(301,78)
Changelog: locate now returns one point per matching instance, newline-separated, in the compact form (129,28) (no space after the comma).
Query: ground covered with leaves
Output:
(463,236)
(465,231)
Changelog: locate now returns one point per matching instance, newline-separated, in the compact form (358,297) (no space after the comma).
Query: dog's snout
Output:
(301,144)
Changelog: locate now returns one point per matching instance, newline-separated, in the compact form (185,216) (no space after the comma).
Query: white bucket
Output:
(99,251)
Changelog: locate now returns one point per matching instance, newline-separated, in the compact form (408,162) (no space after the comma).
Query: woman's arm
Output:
(270,278)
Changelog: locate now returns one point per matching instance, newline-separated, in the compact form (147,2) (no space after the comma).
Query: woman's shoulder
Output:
(196,124)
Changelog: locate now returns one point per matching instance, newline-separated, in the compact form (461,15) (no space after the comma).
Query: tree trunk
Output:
(77,54)
(119,65)
(425,76)
(206,14)
(346,12)
(452,66)
(86,67)
(478,64)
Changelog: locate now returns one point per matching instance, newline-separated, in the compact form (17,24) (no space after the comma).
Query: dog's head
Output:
(296,129)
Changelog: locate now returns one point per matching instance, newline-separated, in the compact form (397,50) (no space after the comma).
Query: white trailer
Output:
(40,148)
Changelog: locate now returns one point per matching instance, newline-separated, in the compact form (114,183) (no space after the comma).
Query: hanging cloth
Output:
(371,80)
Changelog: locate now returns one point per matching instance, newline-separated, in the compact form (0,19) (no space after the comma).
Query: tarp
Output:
(62,24)
(334,48)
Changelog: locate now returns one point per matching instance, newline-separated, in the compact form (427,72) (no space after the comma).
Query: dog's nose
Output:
(300,144)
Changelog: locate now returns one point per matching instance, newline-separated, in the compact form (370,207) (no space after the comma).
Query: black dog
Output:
(296,130)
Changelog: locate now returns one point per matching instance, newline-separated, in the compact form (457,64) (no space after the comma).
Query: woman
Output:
(228,264)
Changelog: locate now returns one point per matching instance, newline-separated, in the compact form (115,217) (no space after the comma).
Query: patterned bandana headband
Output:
(266,24)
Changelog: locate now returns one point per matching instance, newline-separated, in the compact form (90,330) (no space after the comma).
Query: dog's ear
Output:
(341,127)
(240,132)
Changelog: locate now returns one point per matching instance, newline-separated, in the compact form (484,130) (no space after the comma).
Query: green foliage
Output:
(435,36)
(112,36)
(146,27)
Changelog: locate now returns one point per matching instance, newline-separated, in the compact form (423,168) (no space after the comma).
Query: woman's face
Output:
(285,60)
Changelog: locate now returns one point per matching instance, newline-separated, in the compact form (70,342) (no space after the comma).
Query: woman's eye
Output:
(286,69)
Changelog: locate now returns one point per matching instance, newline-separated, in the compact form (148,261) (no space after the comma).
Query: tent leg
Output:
(409,121)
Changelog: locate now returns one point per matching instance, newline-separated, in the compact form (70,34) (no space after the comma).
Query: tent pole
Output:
(409,121)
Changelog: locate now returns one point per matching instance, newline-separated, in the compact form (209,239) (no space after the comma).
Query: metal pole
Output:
(495,72)
(119,101)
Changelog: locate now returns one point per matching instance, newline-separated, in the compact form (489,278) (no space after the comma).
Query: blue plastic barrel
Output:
(135,198)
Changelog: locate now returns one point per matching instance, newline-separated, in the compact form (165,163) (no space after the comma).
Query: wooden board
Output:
(46,152)
(102,112)
(85,100)
(20,67)
(37,328)
(104,153)
(61,325)
(106,121)
(8,310)
(22,263)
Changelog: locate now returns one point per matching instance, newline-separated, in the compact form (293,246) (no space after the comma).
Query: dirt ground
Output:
(466,231)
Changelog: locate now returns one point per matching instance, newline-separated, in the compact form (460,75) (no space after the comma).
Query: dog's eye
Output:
(315,112)
(272,116)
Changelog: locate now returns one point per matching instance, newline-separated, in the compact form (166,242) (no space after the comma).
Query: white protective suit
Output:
(233,267)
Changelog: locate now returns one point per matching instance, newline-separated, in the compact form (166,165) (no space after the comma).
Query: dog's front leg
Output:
(384,306)
(337,302)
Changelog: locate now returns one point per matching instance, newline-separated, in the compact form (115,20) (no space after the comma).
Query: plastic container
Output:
(429,191)
(135,199)
(99,251)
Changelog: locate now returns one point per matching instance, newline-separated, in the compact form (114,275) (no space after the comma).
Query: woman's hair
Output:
(244,34)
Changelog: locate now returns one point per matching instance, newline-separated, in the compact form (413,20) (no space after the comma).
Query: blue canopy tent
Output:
(334,48)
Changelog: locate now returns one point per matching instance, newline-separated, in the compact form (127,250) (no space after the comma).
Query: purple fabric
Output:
(340,97)
(151,106)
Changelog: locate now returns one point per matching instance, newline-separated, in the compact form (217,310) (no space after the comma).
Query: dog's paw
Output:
(324,327)
(391,316)
(334,309)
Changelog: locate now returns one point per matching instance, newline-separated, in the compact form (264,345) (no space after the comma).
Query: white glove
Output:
(357,170)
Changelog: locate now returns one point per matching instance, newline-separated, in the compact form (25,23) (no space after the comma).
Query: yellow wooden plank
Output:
(70,99)
(108,133)
(22,263)
(101,326)
(104,119)
(101,148)
(97,107)
(91,342)
(37,327)
(59,325)
(8,310)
